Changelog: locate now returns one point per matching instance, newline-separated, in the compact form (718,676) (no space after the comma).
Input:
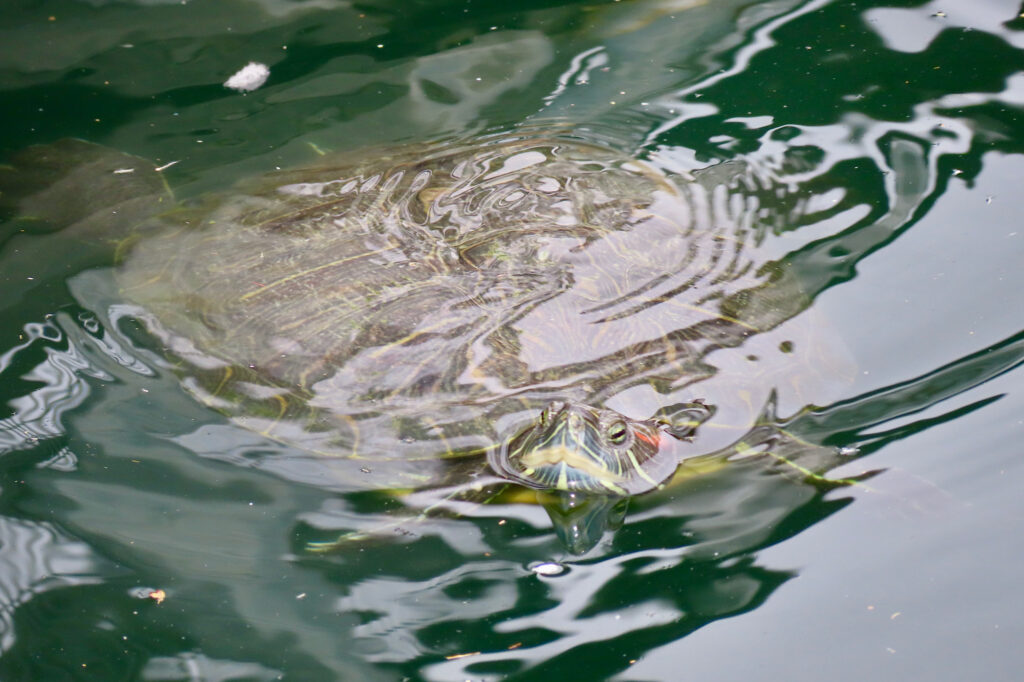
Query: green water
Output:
(889,140)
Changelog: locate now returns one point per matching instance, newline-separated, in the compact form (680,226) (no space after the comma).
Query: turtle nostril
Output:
(576,423)
(555,406)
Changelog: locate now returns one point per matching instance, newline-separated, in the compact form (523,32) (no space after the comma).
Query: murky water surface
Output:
(805,214)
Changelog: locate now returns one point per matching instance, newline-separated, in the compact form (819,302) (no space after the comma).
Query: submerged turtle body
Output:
(430,302)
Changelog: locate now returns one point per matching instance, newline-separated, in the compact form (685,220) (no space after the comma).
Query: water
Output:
(885,139)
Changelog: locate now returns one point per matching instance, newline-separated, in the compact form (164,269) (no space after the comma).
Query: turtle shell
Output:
(424,303)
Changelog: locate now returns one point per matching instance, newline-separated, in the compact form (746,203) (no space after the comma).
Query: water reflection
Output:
(687,556)
(38,558)
(836,127)
(457,294)
(78,355)
(461,287)
(38,414)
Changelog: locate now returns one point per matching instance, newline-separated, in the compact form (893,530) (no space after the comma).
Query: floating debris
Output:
(455,657)
(547,568)
(249,77)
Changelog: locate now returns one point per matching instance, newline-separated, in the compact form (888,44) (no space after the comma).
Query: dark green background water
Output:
(897,124)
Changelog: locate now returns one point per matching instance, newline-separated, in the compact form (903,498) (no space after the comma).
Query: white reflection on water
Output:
(450,89)
(914,29)
(38,415)
(199,668)
(77,355)
(37,558)
(415,604)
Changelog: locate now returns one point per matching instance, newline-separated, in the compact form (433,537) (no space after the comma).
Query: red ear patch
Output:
(654,439)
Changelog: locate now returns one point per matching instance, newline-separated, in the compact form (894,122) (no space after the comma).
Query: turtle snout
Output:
(576,425)
(554,408)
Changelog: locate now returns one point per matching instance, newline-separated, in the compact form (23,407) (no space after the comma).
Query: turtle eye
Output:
(617,433)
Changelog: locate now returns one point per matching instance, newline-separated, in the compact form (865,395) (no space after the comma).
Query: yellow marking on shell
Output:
(122,246)
(223,381)
(282,410)
(412,374)
(308,323)
(670,351)
(599,334)
(354,425)
(407,338)
(306,373)
(310,271)
(541,342)
(712,313)
(587,289)
(645,214)
(431,424)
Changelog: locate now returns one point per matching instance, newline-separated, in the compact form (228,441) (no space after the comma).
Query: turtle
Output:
(528,308)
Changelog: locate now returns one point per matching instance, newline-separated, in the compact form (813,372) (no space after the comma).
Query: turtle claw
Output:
(682,419)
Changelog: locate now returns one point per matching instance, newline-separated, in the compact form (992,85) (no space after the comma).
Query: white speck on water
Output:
(249,77)
(122,171)
(165,166)
(547,568)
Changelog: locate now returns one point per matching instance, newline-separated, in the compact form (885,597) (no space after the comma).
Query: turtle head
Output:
(581,449)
